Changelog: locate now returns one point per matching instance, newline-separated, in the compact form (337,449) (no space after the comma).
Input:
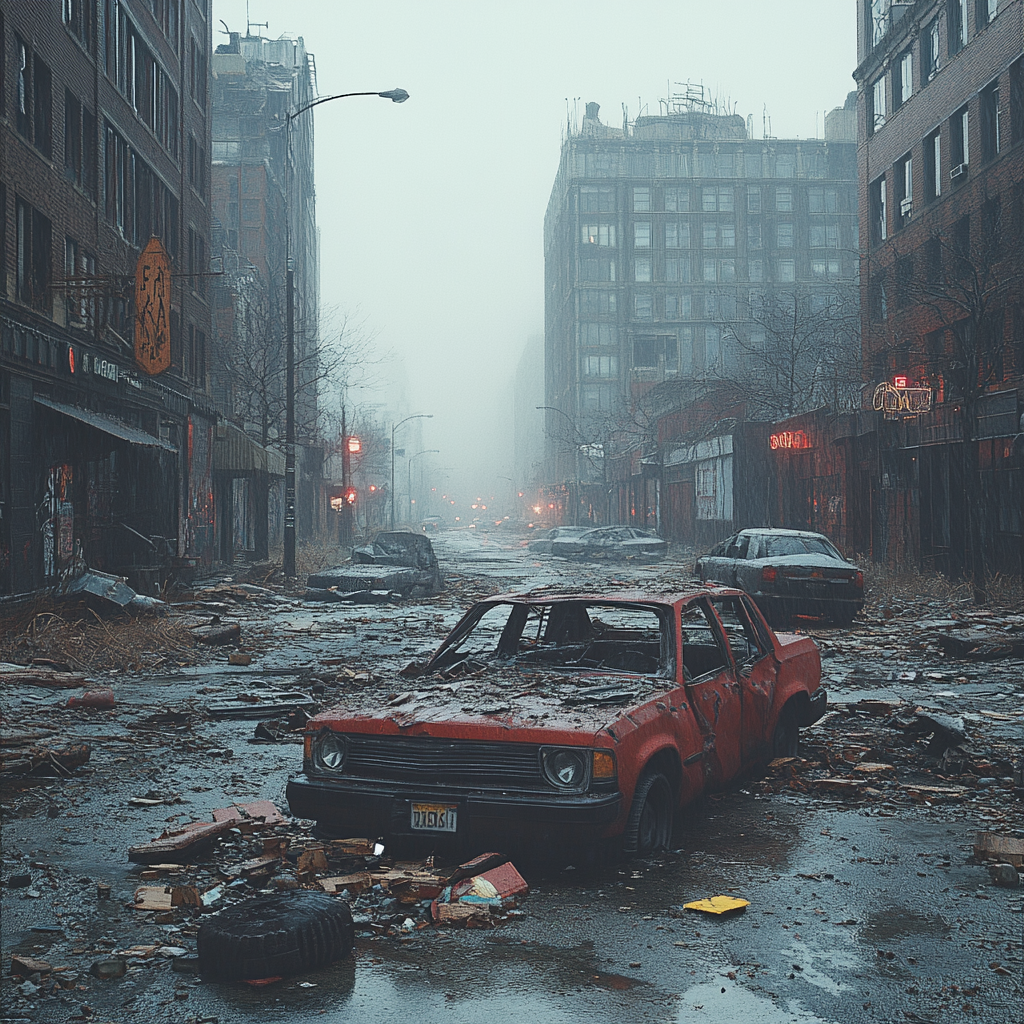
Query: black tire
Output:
(649,827)
(843,615)
(275,936)
(786,738)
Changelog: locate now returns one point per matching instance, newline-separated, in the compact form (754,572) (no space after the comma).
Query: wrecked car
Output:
(541,544)
(392,563)
(611,542)
(788,573)
(546,722)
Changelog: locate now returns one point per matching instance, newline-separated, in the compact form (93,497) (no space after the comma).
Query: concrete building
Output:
(941,167)
(264,213)
(677,250)
(105,453)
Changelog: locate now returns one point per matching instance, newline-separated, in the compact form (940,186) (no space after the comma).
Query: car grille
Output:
(428,761)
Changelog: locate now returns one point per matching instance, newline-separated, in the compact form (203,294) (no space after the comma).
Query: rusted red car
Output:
(545,722)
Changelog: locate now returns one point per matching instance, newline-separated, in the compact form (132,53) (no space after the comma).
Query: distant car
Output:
(432,524)
(611,542)
(542,543)
(579,720)
(787,572)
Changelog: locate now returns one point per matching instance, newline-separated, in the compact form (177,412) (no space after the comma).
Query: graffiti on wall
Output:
(200,525)
(55,517)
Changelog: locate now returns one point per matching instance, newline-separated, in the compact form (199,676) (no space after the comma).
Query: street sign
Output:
(153,309)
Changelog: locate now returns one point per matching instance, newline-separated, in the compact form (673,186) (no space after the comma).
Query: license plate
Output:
(434,817)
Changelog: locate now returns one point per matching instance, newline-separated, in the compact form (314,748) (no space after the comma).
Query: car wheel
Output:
(786,738)
(275,936)
(843,615)
(649,827)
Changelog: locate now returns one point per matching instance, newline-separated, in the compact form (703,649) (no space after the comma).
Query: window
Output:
(643,306)
(824,236)
(597,398)
(79,264)
(33,255)
(79,20)
(595,200)
(755,270)
(642,234)
(719,270)
(879,300)
(753,200)
(720,305)
(23,101)
(197,166)
(597,302)
(712,349)
(678,270)
(990,125)
(598,270)
(1017,99)
(753,234)
(822,200)
(599,234)
(659,350)
(986,10)
(959,148)
(641,200)
(956,14)
(784,200)
(79,144)
(932,254)
(671,306)
(906,79)
(784,235)
(933,166)
(642,269)
(34,102)
(785,271)
(879,20)
(677,235)
(592,335)
(600,366)
(904,174)
(677,200)
(877,196)
(878,103)
(825,269)
(931,59)
(197,73)
(717,200)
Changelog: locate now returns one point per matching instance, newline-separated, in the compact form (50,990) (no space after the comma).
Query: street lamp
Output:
(394,427)
(396,96)
(408,463)
(576,462)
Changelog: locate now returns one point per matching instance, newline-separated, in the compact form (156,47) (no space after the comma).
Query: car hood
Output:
(534,705)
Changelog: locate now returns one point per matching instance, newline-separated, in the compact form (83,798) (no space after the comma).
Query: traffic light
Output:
(350,495)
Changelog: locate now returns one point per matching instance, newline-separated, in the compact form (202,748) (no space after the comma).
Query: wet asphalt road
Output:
(871,912)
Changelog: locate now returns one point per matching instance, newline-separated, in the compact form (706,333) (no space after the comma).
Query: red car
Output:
(549,722)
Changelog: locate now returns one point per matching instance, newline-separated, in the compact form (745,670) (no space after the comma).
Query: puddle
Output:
(897,922)
(712,1003)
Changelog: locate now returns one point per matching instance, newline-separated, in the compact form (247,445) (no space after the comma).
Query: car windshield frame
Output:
(804,541)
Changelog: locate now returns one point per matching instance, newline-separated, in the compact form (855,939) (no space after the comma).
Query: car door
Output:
(712,690)
(715,564)
(756,671)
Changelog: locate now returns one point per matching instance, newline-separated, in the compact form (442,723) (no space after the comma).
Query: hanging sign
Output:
(153,309)
(900,398)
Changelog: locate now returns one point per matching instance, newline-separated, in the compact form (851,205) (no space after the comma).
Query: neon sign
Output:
(788,439)
(900,398)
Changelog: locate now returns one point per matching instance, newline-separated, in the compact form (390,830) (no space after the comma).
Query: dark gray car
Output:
(611,542)
(787,572)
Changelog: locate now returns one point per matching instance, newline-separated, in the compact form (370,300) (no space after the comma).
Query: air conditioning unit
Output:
(959,171)
(906,206)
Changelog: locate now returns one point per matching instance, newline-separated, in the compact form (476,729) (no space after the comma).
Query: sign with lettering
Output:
(788,439)
(153,309)
(898,398)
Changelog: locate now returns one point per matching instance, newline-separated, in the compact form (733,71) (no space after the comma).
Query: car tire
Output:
(649,826)
(842,615)
(275,936)
(786,738)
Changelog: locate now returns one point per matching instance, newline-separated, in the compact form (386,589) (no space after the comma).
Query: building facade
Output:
(682,256)
(941,167)
(264,219)
(104,131)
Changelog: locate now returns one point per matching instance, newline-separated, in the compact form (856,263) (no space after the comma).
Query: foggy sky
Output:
(431,212)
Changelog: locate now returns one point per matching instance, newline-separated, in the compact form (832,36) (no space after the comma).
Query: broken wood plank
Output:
(165,897)
(44,677)
(179,846)
(1006,849)
(252,816)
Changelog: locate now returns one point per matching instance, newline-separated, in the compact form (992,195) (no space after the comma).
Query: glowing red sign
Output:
(900,382)
(789,439)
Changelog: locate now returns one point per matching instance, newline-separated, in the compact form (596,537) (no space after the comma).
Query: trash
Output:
(252,816)
(1005,875)
(44,760)
(978,645)
(991,846)
(100,699)
(217,633)
(279,728)
(111,967)
(40,677)
(165,897)
(25,966)
(100,588)
(252,705)
(180,845)
(470,896)
(238,658)
(102,891)
(717,905)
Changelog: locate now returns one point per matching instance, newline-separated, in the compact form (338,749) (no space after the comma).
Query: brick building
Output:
(264,212)
(104,136)
(941,169)
(670,245)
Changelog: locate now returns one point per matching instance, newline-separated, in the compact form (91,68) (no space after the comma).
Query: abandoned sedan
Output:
(542,543)
(611,542)
(788,572)
(547,723)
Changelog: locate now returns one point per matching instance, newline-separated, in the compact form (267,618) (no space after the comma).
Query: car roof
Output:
(667,598)
(774,532)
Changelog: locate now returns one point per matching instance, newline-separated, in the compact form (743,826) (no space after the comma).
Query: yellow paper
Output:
(717,904)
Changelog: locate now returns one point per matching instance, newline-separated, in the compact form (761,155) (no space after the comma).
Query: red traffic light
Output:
(350,495)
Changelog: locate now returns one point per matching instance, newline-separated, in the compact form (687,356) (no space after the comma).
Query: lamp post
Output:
(576,462)
(394,427)
(396,96)
(408,463)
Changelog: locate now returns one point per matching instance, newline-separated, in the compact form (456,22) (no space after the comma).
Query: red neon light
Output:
(900,382)
(71,358)
(789,439)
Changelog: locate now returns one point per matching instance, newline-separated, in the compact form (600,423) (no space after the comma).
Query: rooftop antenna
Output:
(250,25)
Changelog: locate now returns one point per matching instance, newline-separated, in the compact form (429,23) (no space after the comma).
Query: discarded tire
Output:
(275,936)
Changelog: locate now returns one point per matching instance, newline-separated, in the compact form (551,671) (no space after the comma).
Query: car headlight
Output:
(329,750)
(566,767)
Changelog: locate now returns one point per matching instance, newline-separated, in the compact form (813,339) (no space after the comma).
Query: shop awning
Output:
(234,451)
(116,428)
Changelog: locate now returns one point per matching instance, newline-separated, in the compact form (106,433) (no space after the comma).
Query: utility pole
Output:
(289,428)
(345,523)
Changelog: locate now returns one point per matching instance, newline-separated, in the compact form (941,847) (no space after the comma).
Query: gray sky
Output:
(431,212)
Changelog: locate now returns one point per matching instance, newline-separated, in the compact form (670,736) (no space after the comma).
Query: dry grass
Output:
(904,587)
(77,637)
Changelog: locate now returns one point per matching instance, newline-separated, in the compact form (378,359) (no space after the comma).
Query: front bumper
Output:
(346,808)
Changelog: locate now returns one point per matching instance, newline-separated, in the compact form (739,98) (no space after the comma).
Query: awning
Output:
(109,425)
(234,451)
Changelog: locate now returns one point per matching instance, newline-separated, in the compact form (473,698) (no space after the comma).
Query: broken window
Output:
(930,54)
(702,649)
(878,103)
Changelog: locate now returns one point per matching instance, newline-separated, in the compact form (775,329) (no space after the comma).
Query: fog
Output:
(431,212)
